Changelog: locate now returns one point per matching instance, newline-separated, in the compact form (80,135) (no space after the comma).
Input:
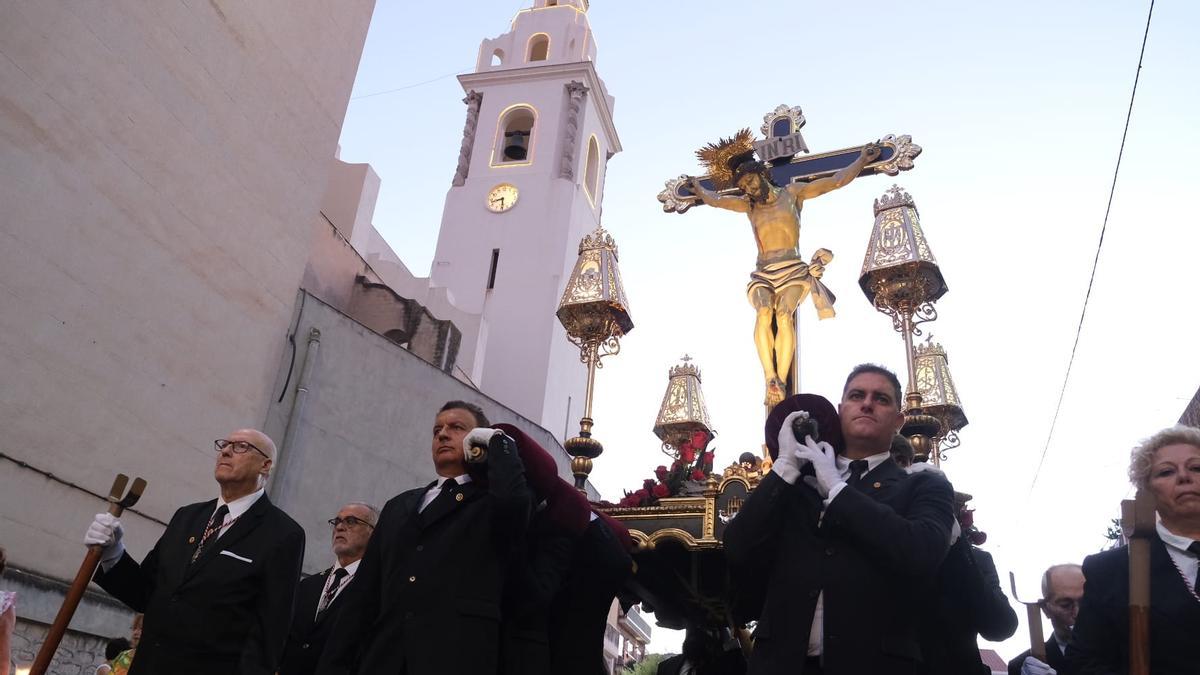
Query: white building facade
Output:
(528,187)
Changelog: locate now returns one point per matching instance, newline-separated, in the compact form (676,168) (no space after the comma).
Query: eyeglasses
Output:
(349,521)
(237,447)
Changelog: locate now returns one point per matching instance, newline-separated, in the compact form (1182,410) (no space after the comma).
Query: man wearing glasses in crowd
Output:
(1062,588)
(318,597)
(217,587)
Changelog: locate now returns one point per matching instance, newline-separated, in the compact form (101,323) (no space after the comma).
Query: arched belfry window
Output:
(498,57)
(514,140)
(591,169)
(539,47)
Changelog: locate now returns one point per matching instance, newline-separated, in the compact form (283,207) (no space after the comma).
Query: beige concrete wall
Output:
(161,167)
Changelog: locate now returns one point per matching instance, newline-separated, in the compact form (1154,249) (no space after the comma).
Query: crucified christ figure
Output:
(781,280)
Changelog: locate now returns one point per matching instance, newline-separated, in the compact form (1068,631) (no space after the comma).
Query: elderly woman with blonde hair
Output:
(1168,466)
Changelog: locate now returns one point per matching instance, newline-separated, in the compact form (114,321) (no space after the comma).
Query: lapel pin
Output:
(458,497)
(191,540)
(878,485)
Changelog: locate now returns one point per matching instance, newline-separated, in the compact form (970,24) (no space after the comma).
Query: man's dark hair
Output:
(481,420)
(115,646)
(755,167)
(878,370)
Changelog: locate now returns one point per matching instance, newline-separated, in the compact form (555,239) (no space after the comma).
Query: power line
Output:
(407,86)
(1095,261)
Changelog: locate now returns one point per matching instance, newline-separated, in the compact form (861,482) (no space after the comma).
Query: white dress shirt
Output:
(236,508)
(1177,548)
(350,570)
(433,492)
(817,632)
(1062,644)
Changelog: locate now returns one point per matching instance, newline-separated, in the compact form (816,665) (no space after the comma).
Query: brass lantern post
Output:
(682,412)
(595,314)
(939,397)
(902,279)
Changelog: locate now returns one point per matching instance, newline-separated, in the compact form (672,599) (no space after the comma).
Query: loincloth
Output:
(780,275)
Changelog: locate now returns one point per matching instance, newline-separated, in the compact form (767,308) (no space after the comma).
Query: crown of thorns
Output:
(723,158)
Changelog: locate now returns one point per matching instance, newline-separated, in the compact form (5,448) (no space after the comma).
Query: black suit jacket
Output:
(968,604)
(426,597)
(1054,658)
(579,613)
(1101,634)
(532,583)
(225,613)
(873,555)
(306,639)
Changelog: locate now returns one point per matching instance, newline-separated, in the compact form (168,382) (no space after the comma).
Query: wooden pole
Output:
(1137,521)
(117,505)
(1033,614)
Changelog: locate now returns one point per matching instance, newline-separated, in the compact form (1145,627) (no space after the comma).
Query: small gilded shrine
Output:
(677,518)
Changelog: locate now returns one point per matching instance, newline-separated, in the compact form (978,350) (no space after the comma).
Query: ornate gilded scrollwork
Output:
(902,160)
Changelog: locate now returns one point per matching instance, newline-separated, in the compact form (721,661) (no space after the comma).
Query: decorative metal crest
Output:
(793,113)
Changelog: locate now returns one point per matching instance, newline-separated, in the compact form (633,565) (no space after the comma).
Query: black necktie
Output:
(446,492)
(211,529)
(858,467)
(338,575)
(1194,547)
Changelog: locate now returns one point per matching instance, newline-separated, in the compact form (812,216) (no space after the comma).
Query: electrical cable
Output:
(407,86)
(1095,261)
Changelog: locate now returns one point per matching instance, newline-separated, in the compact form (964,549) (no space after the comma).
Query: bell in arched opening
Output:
(516,146)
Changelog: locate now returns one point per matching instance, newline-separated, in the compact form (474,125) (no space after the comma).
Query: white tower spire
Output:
(528,187)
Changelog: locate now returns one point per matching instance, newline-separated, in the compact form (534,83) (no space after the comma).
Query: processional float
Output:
(677,518)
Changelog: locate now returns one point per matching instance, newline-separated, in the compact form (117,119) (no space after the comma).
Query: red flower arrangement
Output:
(966,520)
(694,463)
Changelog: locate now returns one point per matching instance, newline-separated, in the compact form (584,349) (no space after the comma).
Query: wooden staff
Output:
(116,505)
(1137,522)
(1033,610)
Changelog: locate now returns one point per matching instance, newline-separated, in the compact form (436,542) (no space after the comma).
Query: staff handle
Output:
(71,602)
(1137,522)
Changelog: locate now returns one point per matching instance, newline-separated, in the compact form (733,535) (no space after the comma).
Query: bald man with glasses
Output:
(318,597)
(217,588)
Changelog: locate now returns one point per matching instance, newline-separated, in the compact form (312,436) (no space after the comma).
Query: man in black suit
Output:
(578,615)
(1062,589)
(318,597)
(968,604)
(426,598)
(217,587)
(850,551)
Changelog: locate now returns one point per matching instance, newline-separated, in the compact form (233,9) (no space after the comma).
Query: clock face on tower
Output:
(502,198)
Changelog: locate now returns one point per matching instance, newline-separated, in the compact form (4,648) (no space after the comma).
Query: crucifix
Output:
(771,190)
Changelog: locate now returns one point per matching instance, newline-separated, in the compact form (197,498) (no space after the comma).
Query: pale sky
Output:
(1019,107)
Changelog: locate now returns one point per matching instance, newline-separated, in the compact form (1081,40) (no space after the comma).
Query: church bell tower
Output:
(529,185)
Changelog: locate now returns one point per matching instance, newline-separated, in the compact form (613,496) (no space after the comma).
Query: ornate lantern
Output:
(901,278)
(595,314)
(939,398)
(682,412)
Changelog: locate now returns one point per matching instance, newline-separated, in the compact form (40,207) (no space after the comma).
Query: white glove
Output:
(920,467)
(1033,666)
(477,438)
(106,532)
(786,464)
(824,461)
